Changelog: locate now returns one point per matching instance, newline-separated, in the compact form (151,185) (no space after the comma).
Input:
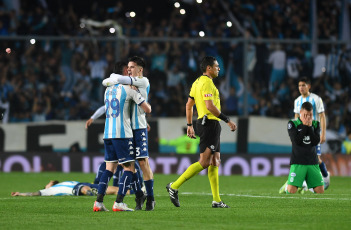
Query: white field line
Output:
(297,196)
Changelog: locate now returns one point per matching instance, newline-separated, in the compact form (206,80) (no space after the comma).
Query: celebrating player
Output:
(136,66)
(118,141)
(120,67)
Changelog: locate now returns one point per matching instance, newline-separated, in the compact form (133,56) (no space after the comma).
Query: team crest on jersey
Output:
(208,95)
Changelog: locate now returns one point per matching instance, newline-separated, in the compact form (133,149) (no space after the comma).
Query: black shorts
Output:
(209,135)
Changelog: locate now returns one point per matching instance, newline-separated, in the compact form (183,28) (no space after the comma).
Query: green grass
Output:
(255,204)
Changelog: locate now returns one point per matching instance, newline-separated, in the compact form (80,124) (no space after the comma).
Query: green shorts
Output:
(311,173)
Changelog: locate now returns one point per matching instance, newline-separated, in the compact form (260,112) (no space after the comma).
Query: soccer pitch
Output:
(255,204)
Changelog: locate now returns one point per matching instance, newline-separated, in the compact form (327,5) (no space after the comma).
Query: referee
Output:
(205,96)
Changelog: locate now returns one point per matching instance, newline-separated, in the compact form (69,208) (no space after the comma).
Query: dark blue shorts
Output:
(120,150)
(140,143)
(76,190)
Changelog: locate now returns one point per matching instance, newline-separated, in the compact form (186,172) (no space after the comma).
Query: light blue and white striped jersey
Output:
(61,189)
(118,106)
(138,118)
(138,114)
(316,102)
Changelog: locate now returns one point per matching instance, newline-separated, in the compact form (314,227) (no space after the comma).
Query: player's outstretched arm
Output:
(96,115)
(112,80)
(25,194)
(140,82)
(89,122)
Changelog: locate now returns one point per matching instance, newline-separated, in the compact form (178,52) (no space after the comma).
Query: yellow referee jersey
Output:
(202,90)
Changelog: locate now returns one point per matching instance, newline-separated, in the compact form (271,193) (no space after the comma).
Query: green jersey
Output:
(304,140)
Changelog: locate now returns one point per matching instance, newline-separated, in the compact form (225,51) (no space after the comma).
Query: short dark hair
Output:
(138,60)
(207,61)
(306,80)
(119,66)
(307,106)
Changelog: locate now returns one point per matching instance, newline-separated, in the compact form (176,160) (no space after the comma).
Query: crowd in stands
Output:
(61,80)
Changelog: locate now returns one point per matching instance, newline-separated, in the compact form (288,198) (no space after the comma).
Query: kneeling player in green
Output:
(304,134)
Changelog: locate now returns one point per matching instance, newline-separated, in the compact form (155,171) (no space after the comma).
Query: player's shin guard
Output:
(214,181)
(191,171)
(101,170)
(117,175)
(135,185)
(323,169)
(149,185)
(105,178)
(124,185)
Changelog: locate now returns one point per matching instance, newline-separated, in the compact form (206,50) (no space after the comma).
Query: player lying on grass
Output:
(68,188)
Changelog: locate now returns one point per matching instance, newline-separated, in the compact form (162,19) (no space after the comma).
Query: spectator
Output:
(97,72)
(277,58)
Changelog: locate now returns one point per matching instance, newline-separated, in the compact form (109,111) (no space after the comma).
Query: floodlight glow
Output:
(132,14)
(32,41)
(182,11)
(199,1)
(176,5)
(112,30)
(201,34)
(229,24)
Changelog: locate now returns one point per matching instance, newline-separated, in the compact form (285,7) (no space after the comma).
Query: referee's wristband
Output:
(224,118)
(189,124)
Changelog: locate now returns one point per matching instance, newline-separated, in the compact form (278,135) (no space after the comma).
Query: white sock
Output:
(304,184)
